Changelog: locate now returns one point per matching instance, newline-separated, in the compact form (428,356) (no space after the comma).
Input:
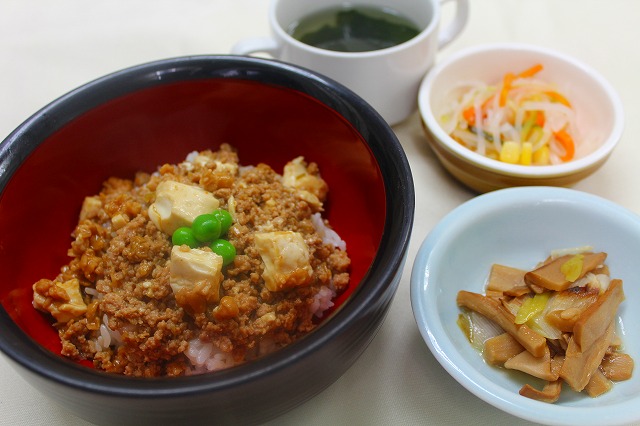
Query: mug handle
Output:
(256,45)
(453,30)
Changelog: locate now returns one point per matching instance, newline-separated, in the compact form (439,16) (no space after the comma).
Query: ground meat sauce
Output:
(114,304)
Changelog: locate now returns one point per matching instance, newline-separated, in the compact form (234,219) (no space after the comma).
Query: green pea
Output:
(184,235)
(225,249)
(206,227)
(225,220)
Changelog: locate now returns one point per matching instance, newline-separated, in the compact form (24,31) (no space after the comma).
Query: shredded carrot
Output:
(566,141)
(469,114)
(540,119)
(557,97)
(531,71)
(506,86)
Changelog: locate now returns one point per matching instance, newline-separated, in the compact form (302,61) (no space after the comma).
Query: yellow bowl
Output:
(599,115)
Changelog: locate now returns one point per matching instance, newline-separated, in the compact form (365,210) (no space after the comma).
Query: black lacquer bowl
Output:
(156,113)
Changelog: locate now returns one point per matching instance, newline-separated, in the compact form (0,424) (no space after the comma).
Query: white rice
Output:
(322,301)
(245,169)
(329,236)
(108,337)
(266,346)
(191,157)
(207,357)
(93,293)
(189,162)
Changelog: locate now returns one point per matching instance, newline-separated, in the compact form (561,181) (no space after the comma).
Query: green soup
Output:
(354,29)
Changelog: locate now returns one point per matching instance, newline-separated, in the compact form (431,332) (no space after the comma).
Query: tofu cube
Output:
(195,277)
(311,188)
(178,204)
(91,207)
(286,259)
(64,301)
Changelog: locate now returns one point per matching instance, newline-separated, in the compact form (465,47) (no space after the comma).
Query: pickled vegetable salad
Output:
(519,120)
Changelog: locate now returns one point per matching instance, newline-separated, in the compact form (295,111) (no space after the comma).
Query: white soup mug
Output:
(389,78)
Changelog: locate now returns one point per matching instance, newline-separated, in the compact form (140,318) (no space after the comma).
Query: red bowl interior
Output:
(162,124)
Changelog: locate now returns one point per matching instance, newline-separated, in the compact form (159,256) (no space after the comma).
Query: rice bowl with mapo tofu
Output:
(200,266)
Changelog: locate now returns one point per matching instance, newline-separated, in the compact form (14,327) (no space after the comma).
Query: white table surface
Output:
(50,47)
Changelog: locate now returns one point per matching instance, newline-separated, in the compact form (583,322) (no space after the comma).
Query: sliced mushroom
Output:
(499,349)
(580,364)
(506,280)
(565,307)
(550,392)
(593,322)
(532,341)
(556,365)
(617,366)
(551,277)
(598,384)
(535,366)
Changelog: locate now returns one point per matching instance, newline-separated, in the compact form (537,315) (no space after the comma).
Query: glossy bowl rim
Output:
(377,282)
(440,137)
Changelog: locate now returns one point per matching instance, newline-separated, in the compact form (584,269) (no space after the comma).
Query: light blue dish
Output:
(519,227)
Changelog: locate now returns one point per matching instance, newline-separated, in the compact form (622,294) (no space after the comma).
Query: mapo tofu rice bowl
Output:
(125,302)
(152,290)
